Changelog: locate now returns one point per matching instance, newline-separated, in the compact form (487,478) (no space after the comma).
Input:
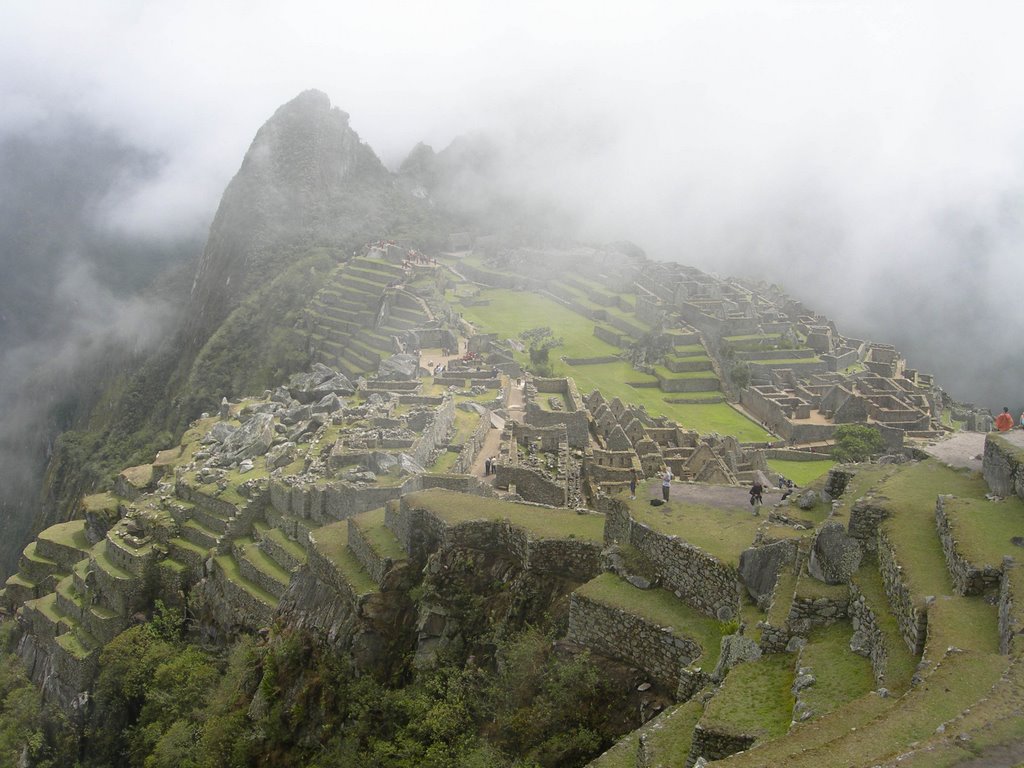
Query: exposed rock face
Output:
(835,556)
(736,649)
(759,567)
(306,179)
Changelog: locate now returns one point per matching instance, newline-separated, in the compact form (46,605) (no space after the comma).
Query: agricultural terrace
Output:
(508,313)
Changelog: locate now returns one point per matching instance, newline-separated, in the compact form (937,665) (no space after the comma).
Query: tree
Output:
(540,341)
(857,442)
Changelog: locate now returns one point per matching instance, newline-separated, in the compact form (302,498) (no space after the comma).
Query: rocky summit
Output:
(496,504)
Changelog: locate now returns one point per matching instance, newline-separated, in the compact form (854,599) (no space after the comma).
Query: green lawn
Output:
(901,663)
(508,313)
(754,699)
(801,472)
(724,533)
(383,541)
(841,675)
(983,529)
(912,493)
(539,522)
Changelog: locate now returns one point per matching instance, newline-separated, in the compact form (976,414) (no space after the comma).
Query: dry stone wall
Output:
(1002,466)
(911,617)
(1011,609)
(660,651)
(421,531)
(531,485)
(968,578)
(868,637)
(697,578)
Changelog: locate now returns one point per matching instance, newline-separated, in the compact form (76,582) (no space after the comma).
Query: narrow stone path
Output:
(964,449)
(492,447)
(517,403)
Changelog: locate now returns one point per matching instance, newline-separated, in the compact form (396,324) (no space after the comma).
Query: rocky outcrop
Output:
(306,179)
(835,556)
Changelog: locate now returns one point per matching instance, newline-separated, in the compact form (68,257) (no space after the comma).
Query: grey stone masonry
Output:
(376,565)
(911,616)
(968,578)
(1011,609)
(866,515)
(868,638)
(662,652)
(697,578)
(1003,463)
(420,532)
(714,745)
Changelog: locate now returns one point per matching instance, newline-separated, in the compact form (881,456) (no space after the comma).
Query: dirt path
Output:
(517,403)
(964,449)
(491,447)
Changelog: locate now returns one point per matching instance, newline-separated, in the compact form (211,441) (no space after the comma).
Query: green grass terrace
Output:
(660,607)
(538,522)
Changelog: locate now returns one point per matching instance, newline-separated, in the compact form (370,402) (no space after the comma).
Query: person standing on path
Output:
(756,500)
(666,483)
(632,483)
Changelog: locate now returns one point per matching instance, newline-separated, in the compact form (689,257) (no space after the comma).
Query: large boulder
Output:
(835,556)
(736,649)
(401,367)
(250,440)
(760,566)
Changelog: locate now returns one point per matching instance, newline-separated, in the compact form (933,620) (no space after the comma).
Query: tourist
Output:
(632,483)
(756,500)
(666,483)
(1004,421)
(487,466)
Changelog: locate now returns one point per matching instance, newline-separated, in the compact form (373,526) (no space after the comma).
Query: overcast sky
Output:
(867,155)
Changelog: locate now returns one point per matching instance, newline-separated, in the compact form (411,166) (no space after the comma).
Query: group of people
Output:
(490,466)
(1004,421)
(756,488)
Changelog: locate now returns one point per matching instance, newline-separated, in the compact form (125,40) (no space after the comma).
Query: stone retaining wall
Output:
(376,565)
(805,613)
(1001,466)
(420,532)
(868,638)
(866,516)
(715,745)
(697,578)
(912,618)
(608,335)
(968,578)
(471,448)
(660,651)
(1011,609)
(531,485)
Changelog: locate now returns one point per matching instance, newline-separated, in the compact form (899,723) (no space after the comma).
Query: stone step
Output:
(373,544)
(371,276)
(18,589)
(381,344)
(36,567)
(188,552)
(393,271)
(198,534)
(234,579)
(286,552)
(64,543)
(339,291)
(258,567)
(295,528)
(211,520)
(361,363)
(352,281)
(365,352)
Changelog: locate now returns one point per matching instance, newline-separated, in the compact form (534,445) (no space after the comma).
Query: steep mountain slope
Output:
(307,180)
